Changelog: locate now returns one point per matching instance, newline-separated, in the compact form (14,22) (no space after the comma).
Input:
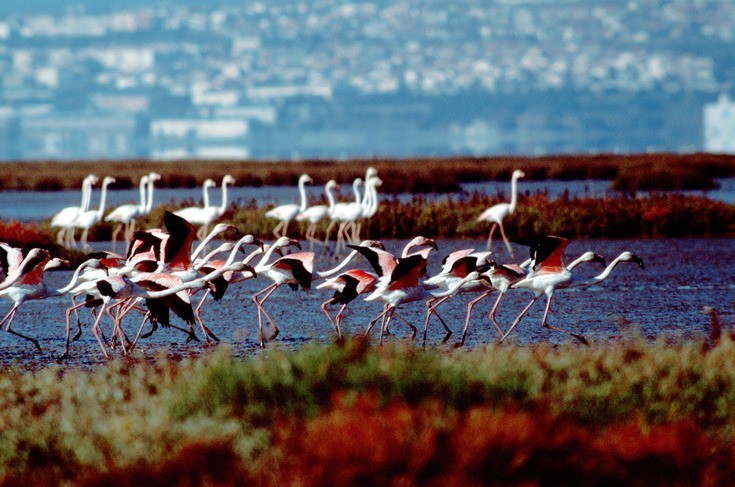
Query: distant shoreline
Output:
(628,172)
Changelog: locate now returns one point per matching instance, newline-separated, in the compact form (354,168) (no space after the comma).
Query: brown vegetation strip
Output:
(629,172)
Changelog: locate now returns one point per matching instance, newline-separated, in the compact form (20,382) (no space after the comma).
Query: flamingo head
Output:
(305,178)
(224,227)
(209,183)
(375,244)
(251,240)
(91,179)
(154,176)
(56,263)
(518,174)
(631,257)
(332,184)
(228,179)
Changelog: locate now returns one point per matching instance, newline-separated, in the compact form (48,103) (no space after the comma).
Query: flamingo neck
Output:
(223,205)
(356,190)
(103,200)
(374,200)
(302,193)
(330,198)
(454,287)
(205,195)
(341,266)
(149,203)
(86,195)
(513,193)
(74,281)
(141,191)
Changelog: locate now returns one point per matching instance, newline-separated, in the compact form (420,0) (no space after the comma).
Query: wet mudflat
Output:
(663,301)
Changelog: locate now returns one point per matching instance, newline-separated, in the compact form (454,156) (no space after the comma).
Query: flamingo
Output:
(205,216)
(31,286)
(315,214)
(404,286)
(189,213)
(286,213)
(550,274)
(347,286)
(293,269)
(125,215)
(455,267)
(153,287)
(496,213)
(90,218)
(342,213)
(65,218)
(502,277)
(365,243)
(369,201)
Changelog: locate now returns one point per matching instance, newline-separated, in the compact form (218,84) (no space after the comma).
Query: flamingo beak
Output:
(600,259)
(295,243)
(431,242)
(250,269)
(638,261)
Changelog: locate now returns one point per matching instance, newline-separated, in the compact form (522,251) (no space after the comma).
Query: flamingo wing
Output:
(546,252)
(407,272)
(381,261)
(177,248)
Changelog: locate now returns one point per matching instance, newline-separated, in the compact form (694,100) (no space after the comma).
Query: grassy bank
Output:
(626,172)
(336,415)
(670,215)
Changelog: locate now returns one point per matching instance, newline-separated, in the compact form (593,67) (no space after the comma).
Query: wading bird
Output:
(65,218)
(315,214)
(286,213)
(550,274)
(90,218)
(496,213)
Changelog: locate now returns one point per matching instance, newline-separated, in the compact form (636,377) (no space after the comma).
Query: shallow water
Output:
(663,301)
(36,206)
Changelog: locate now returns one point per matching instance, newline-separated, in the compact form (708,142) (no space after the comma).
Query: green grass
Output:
(289,416)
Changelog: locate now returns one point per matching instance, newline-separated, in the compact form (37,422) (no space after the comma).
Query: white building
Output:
(719,126)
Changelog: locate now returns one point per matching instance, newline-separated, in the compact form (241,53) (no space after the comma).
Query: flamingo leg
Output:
(471,305)
(492,313)
(386,323)
(140,329)
(115,232)
(518,320)
(505,239)
(326,237)
(413,328)
(430,304)
(268,290)
(95,330)
(338,319)
(386,308)
(490,236)
(545,324)
(331,320)
(9,318)
(69,311)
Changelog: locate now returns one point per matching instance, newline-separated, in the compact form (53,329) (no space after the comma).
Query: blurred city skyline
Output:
(91,79)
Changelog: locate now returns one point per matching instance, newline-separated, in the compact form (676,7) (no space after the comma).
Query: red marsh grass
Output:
(624,413)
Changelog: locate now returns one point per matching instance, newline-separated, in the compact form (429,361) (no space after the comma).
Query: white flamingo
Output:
(65,218)
(205,216)
(90,218)
(315,214)
(345,214)
(496,213)
(125,215)
(190,212)
(550,274)
(286,213)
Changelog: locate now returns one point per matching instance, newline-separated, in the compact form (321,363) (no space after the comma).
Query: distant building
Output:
(719,126)
(193,138)
(77,137)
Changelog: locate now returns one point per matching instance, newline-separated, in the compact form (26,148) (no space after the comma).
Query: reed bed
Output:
(632,412)
(668,215)
(628,173)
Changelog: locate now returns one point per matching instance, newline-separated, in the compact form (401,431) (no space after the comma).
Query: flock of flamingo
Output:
(163,269)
